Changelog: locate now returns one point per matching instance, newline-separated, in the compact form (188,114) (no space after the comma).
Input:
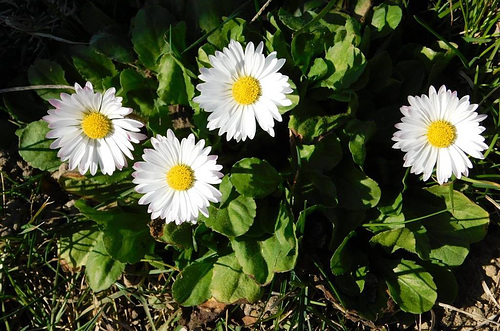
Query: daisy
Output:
(91,130)
(440,130)
(243,86)
(176,178)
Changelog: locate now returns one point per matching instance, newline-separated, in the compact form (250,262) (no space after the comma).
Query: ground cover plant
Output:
(329,162)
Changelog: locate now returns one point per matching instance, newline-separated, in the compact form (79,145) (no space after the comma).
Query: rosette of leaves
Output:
(333,185)
(387,242)
(248,237)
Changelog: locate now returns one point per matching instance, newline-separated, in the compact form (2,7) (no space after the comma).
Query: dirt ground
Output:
(477,306)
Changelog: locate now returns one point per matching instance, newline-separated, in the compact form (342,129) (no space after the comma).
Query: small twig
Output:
(261,10)
(489,294)
(474,316)
(35,87)
(433,319)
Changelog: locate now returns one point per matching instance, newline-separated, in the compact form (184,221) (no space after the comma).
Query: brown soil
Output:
(477,306)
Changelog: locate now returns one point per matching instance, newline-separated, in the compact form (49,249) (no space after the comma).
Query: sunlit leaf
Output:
(45,72)
(34,148)
(411,287)
(253,177)
(150,26)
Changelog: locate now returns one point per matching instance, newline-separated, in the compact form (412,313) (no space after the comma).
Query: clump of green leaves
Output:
(388,236)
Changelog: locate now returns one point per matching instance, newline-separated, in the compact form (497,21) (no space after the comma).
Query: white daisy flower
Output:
(91,130)
(440,130)
(176,178)
(243,86)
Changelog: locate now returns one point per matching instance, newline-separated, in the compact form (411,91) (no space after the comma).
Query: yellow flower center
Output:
(180,177)
(96,125)
(246,90)
(441,134)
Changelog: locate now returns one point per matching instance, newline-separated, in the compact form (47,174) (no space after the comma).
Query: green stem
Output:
(368,225)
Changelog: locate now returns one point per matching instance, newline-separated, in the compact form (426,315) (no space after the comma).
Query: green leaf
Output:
(93,19)
(193,286)
(458,221)
(34,148)
(233,218)
(85,247)
(467,216)
(175,87)
(230,284)
(126,236)
(342,259)
(346,62)
(98,216)
(101,269)
(449,243)
(411,287)
(445,281)
(323,155)
(45,72)
(413,238)
(178,235)
(255,178)
(226,188)
(306,46)
(220,278)
(293,97)
(232,29)
(292,22)
(138,90)
(359,133)
(261,258)
(92,66)
(98,187)
(266,218)
(148,34)
(317,188)
(396,238)
(355,190)
(75,247)
(309,124)
(114,45)
(385,19)
(318,70)
(380,68)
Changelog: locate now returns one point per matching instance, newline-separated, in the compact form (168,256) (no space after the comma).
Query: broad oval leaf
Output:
(355,190)
(178,235)
(126,236)
(385,19)
(411,287)
(75,247)
(262,257)
(470,217)
(114,45)
(175,87)
(347,62)
(233,218)
(148,34)
(45,72)
(92,66)
(255,178)
(192,287)
(101,269)
(230,284)
(35,149)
